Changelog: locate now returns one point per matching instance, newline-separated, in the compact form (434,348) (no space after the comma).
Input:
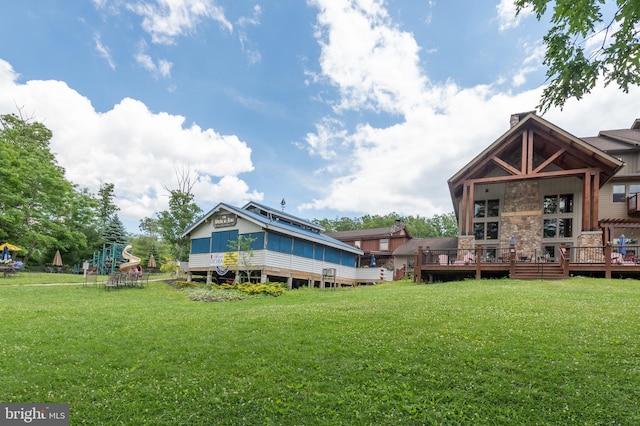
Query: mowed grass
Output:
(473,352)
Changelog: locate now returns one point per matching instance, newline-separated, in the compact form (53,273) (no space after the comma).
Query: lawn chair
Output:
(112,282)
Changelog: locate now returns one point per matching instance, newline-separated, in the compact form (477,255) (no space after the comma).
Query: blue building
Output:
(284,248)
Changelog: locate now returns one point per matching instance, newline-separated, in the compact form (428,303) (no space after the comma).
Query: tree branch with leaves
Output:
(588,40)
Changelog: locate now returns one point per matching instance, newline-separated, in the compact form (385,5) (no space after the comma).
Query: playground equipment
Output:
(133,261)
(108,259)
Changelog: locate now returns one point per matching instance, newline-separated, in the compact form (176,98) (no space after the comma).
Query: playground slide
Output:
(133,260)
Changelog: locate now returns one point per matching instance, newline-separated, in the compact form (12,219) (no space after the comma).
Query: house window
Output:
(485,219)
(384,244)
(558,216)
(634,188)
(619,194)
(357,243)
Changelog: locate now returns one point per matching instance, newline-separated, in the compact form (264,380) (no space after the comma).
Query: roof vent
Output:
(515,118)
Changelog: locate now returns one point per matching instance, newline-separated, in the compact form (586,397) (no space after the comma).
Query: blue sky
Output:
(341,107)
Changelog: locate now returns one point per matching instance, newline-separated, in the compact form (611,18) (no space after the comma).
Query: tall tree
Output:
(106,204)
(114,231)
(36,200)
(182,212)
(444,225)
(588,39)
(244,249)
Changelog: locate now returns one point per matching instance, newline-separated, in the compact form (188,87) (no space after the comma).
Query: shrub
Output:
(205,295)
(271,289)
(185,284)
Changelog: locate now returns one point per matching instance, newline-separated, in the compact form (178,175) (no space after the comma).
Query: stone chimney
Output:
(515,118)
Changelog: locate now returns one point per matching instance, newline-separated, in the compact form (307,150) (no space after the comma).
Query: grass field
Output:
(473,352)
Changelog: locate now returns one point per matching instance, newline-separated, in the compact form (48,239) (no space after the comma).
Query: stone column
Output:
(521,216)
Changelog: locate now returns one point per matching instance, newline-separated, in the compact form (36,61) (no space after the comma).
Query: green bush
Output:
(226,292)
(205,295)
(185,284)
(270,289)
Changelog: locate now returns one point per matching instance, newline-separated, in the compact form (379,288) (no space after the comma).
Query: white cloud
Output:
(166,20)
(162,68)
(439,128)
(104,52)
(507,17)
(357,40)
(254,19)
(130,146)
(532,63)
(253,54)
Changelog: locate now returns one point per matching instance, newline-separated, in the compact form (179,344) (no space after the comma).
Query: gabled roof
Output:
(274,224)
(371,233)
(281,215)
(411,246)
(617,140)
(554,149)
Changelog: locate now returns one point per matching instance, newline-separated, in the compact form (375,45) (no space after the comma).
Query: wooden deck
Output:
(455,264)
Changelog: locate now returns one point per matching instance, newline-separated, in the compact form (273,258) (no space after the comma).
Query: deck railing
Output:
(588,255)
(454,256)
(607,259)
(633,204)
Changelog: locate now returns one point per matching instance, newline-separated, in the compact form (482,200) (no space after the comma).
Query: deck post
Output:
(478,262)
(417,266)
(607,260)
(512,260)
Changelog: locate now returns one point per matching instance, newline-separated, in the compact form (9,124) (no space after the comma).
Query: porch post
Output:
(463,210)
(417,266)
(471,209)
(607,260)
(595,189)
(512,260)
(478,262)
(586,202)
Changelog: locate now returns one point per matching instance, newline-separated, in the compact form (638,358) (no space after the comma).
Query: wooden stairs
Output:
(538,271)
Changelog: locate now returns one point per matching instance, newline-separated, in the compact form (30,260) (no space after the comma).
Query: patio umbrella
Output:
(57,259)
(152,262)
(9,247)
(623,242)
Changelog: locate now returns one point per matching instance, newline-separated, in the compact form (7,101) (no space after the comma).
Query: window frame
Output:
(558,210)
(486,219)
(619,197)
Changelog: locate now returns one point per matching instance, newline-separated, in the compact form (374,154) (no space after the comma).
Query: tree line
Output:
(440,225)
(41,211)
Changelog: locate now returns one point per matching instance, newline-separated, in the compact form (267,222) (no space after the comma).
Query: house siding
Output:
(284,253)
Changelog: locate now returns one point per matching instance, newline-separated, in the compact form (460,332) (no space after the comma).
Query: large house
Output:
(539,194)
(377,244)
(283,248)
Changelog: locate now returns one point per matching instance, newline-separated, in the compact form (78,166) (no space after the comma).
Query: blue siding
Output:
(200,245)
(331,255)
(258,240)
(280,243)
(303,248)
(348,259)
(318,253)
(220,240)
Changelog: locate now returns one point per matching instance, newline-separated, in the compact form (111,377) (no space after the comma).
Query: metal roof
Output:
(278,226)
(411,246)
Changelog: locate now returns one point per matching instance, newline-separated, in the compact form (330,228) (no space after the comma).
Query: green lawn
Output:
(474,352)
